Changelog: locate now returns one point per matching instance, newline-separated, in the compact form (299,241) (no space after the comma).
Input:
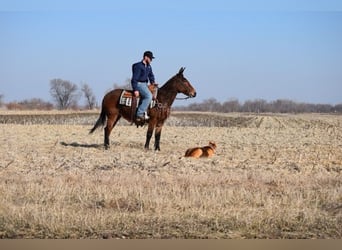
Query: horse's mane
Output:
(169,82)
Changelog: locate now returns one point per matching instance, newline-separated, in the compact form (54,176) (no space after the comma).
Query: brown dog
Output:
(198,152)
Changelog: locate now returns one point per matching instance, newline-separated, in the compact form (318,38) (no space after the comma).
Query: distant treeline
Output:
(211,105)
(29,104)
(260,106)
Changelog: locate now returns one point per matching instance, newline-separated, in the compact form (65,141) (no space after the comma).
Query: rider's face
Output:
(148,60)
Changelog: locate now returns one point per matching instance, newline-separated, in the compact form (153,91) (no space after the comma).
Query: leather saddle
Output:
(127,98)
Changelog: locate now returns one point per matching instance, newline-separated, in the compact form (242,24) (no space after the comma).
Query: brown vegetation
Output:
(30,104)
(273,176)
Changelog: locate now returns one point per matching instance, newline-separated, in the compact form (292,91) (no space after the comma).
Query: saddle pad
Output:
(126,99)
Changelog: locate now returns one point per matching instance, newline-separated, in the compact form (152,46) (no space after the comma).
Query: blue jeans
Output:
(145,98)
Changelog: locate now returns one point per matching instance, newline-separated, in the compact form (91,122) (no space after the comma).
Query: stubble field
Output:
(273,176)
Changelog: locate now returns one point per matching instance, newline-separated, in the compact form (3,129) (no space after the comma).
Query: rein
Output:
(183,98)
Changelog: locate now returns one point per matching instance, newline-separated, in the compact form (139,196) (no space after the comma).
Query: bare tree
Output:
(126,85)
(256,106)
(1,99)
(64,93)
(231,105)
(211,105)
(89,96)
(338,108)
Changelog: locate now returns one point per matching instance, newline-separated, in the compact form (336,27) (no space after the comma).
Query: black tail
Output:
(100,122)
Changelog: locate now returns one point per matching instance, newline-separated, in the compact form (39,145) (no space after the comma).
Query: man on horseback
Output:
(142,74)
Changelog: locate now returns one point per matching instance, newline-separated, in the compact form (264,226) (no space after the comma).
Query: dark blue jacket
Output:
(141,73)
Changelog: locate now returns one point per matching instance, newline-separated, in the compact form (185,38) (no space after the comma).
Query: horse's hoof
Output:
(107,147)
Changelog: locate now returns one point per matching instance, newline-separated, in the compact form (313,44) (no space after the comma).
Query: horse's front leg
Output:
(149,133)
(157,135)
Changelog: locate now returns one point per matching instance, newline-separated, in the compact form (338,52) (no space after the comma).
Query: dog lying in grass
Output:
(198,152)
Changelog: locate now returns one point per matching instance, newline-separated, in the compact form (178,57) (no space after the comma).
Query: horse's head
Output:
(183,85)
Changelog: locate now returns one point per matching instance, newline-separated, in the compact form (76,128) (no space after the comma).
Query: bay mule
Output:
(112,110)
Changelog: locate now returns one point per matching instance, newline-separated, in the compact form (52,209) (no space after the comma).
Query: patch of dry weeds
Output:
(272,177)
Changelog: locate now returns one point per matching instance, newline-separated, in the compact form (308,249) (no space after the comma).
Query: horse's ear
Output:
(181,70)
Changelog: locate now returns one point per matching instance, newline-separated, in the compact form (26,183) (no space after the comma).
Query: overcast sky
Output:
(283,50)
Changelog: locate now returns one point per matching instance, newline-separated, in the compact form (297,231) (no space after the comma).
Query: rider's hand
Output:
(136,93)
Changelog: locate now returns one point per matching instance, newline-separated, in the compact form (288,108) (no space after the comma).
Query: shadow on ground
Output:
(81,145)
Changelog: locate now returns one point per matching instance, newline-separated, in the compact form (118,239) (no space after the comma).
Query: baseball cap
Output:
(149,54)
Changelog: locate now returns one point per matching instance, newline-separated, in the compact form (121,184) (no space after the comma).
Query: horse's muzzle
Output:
(193,94)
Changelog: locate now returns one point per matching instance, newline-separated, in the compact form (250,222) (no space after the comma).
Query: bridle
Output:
(184,98)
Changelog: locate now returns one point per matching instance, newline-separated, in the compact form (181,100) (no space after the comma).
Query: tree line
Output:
(66,95)
(260,106)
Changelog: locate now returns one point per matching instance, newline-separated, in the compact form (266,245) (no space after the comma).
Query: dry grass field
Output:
(273,176)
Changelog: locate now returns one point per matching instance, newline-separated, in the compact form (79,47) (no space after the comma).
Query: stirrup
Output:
(139,121)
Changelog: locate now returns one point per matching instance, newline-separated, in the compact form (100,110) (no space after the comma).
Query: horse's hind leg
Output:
(111,122)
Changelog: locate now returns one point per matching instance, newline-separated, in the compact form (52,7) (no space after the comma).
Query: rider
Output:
(142,74)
